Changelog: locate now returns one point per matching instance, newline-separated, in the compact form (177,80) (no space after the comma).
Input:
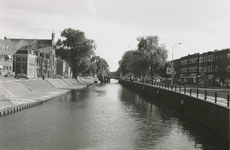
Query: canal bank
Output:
(16,95)
(211,115)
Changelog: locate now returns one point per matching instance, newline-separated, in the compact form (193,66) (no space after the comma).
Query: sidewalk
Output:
(208,86)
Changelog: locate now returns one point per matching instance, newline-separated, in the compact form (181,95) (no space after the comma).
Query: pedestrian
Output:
(221,84)
(43,76)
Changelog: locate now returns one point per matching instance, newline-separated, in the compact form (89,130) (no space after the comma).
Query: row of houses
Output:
(211,67)
(33,57)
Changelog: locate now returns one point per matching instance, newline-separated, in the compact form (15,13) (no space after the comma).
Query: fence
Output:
(207,94)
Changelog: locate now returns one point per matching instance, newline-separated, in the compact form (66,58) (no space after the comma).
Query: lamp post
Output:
(172,70)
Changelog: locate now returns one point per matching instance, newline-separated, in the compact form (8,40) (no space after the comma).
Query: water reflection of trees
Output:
(157,120)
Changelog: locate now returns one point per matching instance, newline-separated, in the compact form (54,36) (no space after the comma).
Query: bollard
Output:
(184,90)
(143,90)
(197,91)
(181,105)
(175,88)
(190,91)
(215,97)
(171,87)
(179,89)
(157,95)
(228,101)
(205,95)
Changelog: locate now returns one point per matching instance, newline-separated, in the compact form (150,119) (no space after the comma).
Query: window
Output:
(205,59)
(200,69)
(205,69)
(183,70)
(210,68)
(228,68)
(17,58)
(220,57)
(3,47)
(210,58)
(195,60)
(228,55)
(217,57)
(24,58)
(216,69)
(201,59)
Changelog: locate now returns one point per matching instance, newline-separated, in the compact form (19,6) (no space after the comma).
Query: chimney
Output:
(5,38)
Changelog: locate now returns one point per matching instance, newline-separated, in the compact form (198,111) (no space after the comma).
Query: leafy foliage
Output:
(75,49)
(150,57)
(154,53)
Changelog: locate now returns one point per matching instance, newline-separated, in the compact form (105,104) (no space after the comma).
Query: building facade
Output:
(221,67)
(63,68)
(35,57)
(189,68)
(211,67)
(6,57)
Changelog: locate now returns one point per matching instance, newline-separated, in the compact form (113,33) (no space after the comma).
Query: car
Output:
(57,77)
(180,82)
(21,75)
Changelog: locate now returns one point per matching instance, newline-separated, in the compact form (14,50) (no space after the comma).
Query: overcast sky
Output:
(200,25)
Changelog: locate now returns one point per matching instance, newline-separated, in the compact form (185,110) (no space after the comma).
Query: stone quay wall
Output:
(17,95)
(211,115)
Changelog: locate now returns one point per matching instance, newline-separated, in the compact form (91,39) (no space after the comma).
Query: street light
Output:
(172,70)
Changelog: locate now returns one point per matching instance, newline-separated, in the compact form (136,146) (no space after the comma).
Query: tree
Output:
(154,53)
(132,62)
(76,49)
(125,63)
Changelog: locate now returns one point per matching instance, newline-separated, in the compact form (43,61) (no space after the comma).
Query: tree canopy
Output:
(75,49)
(150,57)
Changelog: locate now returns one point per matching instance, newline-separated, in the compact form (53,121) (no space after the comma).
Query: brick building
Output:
(212,67)
(221,67)
(189,68)
(35,57)
(6,57)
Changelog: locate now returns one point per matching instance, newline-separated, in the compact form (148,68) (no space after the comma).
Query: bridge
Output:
(107,78)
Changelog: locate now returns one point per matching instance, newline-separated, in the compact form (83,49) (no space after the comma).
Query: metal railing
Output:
(220,98)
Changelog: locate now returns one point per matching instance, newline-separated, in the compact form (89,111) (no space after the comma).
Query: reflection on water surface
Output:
(105,117)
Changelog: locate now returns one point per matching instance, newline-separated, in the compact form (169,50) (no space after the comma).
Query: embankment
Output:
(16,95)
(211,115)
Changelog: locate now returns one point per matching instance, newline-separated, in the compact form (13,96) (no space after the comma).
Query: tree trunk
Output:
(151,72)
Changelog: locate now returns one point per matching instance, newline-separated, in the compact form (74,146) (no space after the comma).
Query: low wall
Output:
(213,116)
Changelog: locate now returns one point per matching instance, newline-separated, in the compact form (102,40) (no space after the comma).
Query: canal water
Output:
(105,117)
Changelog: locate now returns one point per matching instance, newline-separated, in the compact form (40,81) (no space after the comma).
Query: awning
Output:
(1,67)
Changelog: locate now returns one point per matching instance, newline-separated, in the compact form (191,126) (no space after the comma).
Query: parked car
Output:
(21,75)
(57,77)
(8,75)
(180,82)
